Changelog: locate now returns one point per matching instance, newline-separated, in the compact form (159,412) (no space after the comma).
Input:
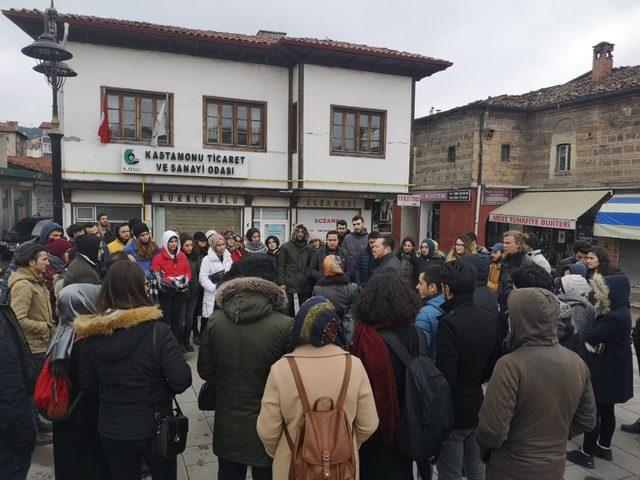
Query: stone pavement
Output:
(199,463)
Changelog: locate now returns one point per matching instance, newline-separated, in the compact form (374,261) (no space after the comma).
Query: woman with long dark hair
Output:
(461,247)
(388,304)
(191,297)
(273,245)
(599,261)
(143,248)
(407,256)
(134,382)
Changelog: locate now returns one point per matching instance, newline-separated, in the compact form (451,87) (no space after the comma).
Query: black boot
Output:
(580,458)
(186,343)
(604,453)
(631,427)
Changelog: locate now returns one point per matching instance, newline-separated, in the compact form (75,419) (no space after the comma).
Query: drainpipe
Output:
(483,119)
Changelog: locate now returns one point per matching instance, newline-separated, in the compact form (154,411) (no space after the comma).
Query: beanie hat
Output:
(214,238)
(533,241)
(409,238)
(209,233)
(332,266)
(58,246)
(89,245)
(199,237)
(139,229)
(498,247)
(575,284)
(317,324)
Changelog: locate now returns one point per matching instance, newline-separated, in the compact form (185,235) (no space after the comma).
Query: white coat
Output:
(211,264)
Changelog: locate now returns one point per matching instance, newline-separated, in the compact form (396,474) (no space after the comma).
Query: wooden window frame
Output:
(206,99)
(138,94)
(505,147)
(452,158)
(568,159)
(293,128)
(358,112)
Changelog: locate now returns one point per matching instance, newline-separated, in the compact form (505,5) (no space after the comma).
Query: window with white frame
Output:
(563,157)
(116,213)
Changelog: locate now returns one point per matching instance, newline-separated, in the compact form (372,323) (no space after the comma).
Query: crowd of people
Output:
(285,330)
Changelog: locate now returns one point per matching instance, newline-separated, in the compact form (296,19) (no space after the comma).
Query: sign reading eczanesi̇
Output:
(189,163)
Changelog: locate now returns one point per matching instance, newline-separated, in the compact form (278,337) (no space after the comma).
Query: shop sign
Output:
(408,200)
(189,163)
(534,221)
(320,221)
(445,195)
(330,203)
(200,199)
(495,196)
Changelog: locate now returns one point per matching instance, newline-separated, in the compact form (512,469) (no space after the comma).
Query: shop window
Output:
(505,153)
(116,213)
(563,157)
(357,132)
(132,115)
(451,154)
(234,123)
(272,221)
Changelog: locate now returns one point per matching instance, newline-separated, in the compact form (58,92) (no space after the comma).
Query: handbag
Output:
(170,431)
(207,397)
(51,395)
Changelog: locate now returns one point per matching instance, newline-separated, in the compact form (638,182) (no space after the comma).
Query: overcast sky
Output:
(497,46)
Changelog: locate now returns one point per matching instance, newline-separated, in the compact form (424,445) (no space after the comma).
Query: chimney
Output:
(271,34)
(602,60)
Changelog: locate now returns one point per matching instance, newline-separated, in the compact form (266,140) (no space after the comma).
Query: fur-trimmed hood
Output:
(610,292)
(106,324)
(247,299)
(600,294)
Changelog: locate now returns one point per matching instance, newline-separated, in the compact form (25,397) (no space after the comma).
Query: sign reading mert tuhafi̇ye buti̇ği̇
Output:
(189,163)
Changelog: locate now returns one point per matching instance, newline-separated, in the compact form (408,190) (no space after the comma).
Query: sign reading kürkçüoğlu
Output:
(189,163)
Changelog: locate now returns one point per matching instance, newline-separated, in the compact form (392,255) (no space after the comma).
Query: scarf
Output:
(255,248)
(369,347)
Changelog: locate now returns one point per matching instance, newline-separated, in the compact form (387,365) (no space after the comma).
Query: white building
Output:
(262,130)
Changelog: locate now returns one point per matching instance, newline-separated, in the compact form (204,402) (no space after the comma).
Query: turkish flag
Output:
(103,131)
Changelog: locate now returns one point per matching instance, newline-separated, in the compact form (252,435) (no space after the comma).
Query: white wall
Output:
(324,87)
(188,78)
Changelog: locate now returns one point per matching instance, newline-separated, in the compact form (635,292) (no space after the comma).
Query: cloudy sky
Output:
(497,46)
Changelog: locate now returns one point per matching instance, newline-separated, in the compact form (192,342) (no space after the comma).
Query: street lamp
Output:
(51,57)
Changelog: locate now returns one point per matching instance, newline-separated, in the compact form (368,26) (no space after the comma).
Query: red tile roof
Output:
(35,164)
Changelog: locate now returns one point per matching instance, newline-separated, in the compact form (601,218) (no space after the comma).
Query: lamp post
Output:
(51,56)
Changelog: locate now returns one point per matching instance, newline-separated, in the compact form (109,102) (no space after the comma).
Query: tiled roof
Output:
(263,40)
(621,79)
(35,164)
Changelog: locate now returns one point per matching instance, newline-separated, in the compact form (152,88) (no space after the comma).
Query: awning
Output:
(547,209)
(619,217)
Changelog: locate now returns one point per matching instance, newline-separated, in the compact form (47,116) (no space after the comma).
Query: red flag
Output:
(103,131)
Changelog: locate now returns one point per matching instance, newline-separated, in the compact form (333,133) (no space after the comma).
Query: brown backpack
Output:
(324,444)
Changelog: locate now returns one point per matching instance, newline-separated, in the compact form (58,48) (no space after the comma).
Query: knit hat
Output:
(332,266)
(409,238)
(498,247)
(575,284)
(209,233)
(317,324)
(250,233)
(214,238)
(89,245)
(58,246)
(139,229)
(533,241)
(199,237)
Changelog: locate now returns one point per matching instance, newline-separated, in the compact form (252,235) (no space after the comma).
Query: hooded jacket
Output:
(243,338)
(352,245)
(427,321)
(294,258)
(31,304)
(211,264)
(538,397)
(611,372)
(133,382)
(171,266)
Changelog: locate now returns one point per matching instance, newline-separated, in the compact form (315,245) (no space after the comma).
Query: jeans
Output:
(172,313)
(461,449)
(228,470)
(302,297)
(124,458)
(605,426)
(15,469)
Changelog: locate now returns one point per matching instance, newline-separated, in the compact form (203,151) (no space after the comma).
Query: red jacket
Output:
(171,267)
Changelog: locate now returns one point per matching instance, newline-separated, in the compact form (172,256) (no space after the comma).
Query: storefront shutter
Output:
(193,219)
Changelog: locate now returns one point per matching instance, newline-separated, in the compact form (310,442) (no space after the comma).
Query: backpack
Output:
(324,444)
(51,396)
(426,417)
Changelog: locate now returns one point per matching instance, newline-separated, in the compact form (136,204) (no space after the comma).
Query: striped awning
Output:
(619,217)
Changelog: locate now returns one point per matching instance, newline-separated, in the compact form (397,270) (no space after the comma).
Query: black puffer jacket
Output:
(118,361)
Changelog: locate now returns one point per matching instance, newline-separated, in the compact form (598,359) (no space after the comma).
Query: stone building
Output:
(544,161)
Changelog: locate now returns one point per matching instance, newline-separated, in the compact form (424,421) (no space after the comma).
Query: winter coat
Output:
(132,380)
(364,267)
(10,327)
(408,266)
(243,338)
(493,280)
(466,348)
(422,261)
(81,270)
(294,258)
(117,246)
(131,249)
(427,321)
(482,296)
(611,372)
(582,312)
(172,266)
(505,283)
(389,264)
(194,283)
(315,267)
(340,292)
(538,397)
(30,302)
(322,372)
(540,260)
(17,427)
(211,264)
(352,245)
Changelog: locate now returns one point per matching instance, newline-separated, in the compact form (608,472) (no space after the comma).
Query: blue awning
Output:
(619,217)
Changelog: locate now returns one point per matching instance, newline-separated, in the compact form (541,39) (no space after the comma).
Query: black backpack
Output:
(426,417)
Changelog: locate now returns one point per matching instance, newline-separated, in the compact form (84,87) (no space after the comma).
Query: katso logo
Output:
(130,157)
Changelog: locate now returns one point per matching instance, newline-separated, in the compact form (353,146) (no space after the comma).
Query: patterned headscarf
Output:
(317,324)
